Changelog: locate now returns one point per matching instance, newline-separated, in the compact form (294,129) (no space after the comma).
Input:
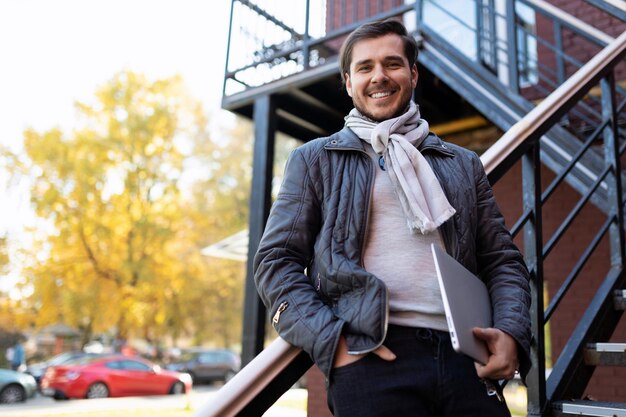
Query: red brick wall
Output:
(341,13)
(591,15)
(574,45)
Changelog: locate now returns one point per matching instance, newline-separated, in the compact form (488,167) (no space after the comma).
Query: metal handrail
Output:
(591,33)
(250,381)
(616,8)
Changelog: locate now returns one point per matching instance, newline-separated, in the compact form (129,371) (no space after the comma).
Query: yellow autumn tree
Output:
(128,199)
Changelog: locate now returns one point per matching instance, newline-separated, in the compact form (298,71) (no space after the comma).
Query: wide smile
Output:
(381,94)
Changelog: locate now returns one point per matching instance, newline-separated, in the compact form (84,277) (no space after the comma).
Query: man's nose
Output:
(379,75)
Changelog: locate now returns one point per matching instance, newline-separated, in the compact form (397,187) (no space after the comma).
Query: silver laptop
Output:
(466,302)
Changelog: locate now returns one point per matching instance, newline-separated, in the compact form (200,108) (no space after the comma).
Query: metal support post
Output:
(480,29)
(260,202)
(511,35)
(306,48)
(614,181)
(533,252)
(230,34)
(418,6)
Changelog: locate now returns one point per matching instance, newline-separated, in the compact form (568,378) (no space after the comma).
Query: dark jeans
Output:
(427,379)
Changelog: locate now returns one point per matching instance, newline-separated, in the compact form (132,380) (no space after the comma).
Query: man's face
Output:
(380,81)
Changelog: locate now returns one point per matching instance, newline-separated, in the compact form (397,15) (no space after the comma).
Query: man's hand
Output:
(343,358)
(502,348)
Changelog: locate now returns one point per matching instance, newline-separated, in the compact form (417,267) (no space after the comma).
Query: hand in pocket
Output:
(343,358)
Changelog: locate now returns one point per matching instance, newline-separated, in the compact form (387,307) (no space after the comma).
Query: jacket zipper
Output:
(448,231)
(368,205)
(363,237)
(281,308)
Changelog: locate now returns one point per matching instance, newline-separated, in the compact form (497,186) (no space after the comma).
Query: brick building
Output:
(484,65)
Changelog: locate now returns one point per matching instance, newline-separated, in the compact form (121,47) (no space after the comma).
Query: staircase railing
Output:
(522,142)
(615,8)
(484,87)
(262,381)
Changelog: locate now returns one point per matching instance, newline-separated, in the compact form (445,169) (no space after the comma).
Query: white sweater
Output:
(402,260)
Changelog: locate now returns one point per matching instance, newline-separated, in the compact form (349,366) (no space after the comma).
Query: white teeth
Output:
(381,94)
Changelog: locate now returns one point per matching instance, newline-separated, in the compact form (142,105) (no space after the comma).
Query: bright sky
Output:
(53,53)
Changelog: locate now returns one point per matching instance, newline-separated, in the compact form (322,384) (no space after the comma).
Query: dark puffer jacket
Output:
(309,268)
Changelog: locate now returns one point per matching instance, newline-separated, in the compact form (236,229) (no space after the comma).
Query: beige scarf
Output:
(396,140)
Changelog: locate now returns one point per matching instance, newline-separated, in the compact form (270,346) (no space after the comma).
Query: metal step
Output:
(608,354)
(589,408)
(620,300)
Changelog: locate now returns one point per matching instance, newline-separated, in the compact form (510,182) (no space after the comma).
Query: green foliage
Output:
(128,200)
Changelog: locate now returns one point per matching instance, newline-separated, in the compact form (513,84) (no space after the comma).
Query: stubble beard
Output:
(401,110)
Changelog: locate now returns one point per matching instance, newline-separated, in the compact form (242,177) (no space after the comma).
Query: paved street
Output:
(199,396)
(34,407)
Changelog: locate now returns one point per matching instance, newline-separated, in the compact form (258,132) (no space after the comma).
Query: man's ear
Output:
(414,75)
(348,84)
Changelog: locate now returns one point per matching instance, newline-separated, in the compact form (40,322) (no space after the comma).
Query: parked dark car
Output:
(112,376)
(207,365)
(38,369)
(16,387)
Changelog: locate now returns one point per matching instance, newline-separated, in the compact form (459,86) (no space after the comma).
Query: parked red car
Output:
(112,376)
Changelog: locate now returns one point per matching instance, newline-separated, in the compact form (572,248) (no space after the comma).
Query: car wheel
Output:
(177,388)
(97,390)
(12,394)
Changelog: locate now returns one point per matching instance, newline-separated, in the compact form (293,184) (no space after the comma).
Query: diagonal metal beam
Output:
(269,17)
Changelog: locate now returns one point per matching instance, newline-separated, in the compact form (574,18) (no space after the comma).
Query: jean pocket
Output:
(339,370)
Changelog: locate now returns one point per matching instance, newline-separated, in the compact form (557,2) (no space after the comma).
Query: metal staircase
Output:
(598,354)
(567,115)
(504,106)
(559,146)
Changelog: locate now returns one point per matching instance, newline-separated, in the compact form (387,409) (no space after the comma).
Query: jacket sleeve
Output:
(502,267)
(298,313)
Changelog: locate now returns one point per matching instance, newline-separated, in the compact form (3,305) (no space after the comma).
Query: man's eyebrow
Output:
(390,58)
(363,62)
(394,58)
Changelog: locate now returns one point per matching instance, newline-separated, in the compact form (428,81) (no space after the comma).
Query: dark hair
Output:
(373,30)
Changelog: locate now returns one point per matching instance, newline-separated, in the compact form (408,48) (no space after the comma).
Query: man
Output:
(345,266)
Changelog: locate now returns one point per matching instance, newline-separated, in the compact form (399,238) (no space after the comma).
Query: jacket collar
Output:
(346,139)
